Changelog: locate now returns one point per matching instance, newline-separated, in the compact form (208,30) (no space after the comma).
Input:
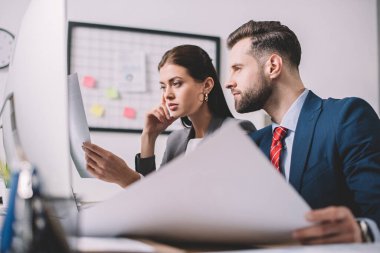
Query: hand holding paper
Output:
(78,130)
(108,166)
(332,225)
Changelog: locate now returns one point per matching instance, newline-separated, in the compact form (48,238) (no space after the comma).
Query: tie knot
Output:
(279,133)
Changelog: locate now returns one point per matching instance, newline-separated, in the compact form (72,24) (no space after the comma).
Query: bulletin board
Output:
(117,70)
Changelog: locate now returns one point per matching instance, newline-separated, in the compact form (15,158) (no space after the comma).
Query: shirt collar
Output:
(290,119)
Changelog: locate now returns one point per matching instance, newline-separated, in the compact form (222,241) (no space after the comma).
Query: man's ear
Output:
(208,85)
(273,66)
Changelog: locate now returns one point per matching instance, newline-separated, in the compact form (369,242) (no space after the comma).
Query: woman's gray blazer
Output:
(177,142)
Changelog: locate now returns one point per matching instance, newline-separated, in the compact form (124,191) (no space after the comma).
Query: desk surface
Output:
(123,245)
(336,248)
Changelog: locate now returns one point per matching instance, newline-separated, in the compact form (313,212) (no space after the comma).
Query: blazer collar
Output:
(303,136)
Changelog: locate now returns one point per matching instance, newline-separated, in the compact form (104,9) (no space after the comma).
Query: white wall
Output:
(10,19)
(338,38)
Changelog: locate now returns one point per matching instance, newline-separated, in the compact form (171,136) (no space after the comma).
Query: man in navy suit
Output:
(327,149)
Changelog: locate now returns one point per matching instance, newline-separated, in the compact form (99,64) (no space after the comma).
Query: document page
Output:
(225,191)
(78,127)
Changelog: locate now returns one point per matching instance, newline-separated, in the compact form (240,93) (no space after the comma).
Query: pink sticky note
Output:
(89,81)
(129,113)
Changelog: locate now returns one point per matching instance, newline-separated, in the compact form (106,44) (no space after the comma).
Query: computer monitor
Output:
(38,80)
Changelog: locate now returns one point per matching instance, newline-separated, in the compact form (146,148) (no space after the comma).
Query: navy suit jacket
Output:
(336,154)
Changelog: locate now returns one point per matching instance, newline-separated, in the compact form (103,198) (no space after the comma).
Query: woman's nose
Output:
(169,93)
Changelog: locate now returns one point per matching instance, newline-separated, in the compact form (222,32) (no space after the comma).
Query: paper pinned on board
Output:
(226,188)
(130,71)
(78,127)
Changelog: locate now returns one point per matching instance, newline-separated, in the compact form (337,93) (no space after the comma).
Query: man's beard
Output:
(254,100)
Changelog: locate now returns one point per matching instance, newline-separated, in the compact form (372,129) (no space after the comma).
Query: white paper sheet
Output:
(225,191)
(78,127)
(94,244)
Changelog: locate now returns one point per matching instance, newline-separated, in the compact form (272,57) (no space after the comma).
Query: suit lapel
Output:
(263,139)
(266,143)
(182,146)
(303,137)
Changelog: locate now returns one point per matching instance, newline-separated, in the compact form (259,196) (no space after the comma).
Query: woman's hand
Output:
(156,121)
(107,166)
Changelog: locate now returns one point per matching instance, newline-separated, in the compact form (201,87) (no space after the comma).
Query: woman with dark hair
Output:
(192,92)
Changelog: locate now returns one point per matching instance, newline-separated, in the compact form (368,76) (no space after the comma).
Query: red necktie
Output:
(275,151)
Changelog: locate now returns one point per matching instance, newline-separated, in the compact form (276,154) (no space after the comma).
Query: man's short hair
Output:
(269,37)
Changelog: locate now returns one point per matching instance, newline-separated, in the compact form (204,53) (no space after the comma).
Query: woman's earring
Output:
(206,97)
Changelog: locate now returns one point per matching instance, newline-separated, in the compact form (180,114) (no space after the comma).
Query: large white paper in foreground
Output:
(226,191)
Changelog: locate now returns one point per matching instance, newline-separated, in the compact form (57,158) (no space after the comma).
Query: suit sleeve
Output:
(147,165)
(358,140)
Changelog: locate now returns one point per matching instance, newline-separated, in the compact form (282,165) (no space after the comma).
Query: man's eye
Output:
(177,84)
(163,87)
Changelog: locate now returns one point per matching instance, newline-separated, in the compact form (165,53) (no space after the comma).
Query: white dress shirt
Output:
(289,121)
(192,144)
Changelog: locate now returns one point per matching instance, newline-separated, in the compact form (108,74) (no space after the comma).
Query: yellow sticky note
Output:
(112,93)
(97,110)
